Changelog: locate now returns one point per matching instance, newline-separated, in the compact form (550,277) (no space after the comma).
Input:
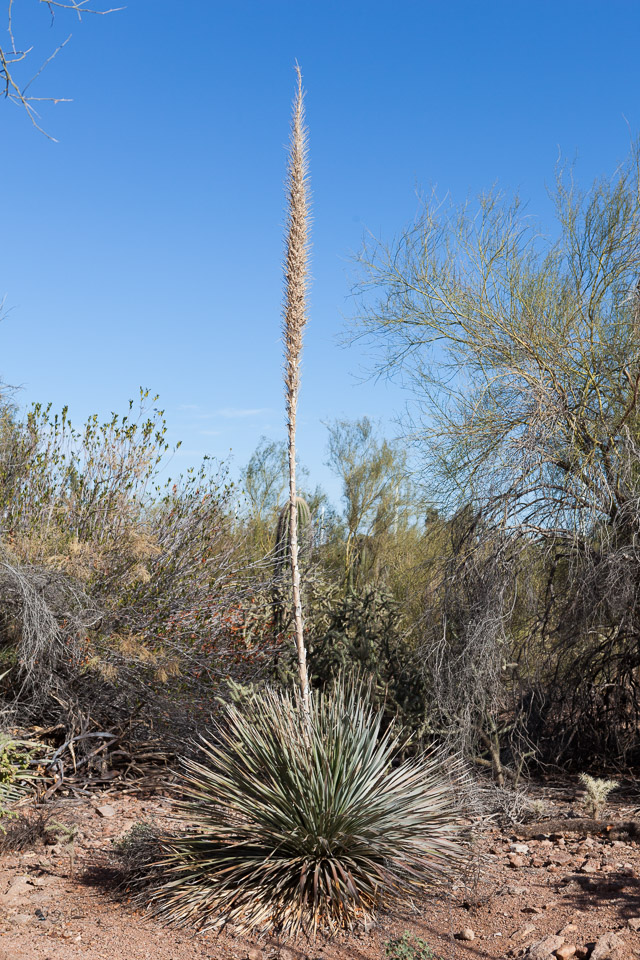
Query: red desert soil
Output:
(536,898)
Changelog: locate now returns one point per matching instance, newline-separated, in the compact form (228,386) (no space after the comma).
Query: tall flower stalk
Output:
(296,267)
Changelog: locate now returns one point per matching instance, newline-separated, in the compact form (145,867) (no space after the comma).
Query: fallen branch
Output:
(613,829)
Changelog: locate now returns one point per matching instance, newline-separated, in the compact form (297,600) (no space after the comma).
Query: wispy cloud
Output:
(224,413)
(232,413)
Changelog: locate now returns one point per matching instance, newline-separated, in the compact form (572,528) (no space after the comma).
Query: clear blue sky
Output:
(144,247)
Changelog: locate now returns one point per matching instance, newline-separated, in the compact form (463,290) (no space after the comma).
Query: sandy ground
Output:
(523,898)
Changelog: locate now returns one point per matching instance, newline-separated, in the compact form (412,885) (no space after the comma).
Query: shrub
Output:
(293,831)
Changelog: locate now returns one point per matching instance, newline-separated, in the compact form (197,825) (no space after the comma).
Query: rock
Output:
(18,892)
(607,946)
(105,810)
(634,923)
(566,951)
(545,948)
(589,866)
(568,930)
(519,848)
(515,861)
(254,954)
(465,934)
(524,933)
(20,919)
(560,856)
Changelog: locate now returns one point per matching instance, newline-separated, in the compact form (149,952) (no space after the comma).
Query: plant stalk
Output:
(295,319)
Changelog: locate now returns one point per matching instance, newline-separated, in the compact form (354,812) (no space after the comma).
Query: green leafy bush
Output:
(294,830)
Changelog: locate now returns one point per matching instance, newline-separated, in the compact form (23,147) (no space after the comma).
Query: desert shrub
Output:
(123,596)
(301,829)
(136,854)
(24,830)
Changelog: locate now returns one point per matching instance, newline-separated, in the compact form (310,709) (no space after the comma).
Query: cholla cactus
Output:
(596,794)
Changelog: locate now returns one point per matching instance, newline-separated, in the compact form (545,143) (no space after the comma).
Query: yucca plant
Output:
(292,833)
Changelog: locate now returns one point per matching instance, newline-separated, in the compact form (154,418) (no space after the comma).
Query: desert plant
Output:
(300,828)
(25,830)
(136,853)
(408,947)
(18,770)
(596,794)
(294,322)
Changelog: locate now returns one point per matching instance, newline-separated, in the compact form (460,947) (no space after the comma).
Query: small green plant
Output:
(596,794)
(18,771)
(408,947)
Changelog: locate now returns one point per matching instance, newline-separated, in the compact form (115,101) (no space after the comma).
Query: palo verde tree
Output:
(376,490)
(523,355)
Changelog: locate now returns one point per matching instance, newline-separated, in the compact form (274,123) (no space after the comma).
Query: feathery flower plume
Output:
(296,267)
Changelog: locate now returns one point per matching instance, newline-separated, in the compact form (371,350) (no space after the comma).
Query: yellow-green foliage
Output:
(17,771)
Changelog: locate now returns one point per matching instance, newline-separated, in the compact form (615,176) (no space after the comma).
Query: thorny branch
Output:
(11,55)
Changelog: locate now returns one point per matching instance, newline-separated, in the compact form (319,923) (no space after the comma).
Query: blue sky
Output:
(144,247)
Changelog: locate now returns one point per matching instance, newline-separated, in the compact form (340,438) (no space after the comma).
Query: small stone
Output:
(568,930)
(634,923)
(524,933)
(20,919)
(254,954)
(515,861)
(545,948)
(606,947)
(519,848)
(560,856)
(465,934)
(566,951)
(106,810)
(589,866)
